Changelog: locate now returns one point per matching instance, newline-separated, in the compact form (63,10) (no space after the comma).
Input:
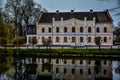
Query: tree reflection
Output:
(6,61)
(117,69)
(23,70)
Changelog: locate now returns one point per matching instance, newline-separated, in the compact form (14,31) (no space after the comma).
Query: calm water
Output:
(58,69)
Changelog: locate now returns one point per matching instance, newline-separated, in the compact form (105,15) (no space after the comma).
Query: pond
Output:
(58,69)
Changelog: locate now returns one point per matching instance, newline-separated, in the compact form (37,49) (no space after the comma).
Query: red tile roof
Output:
(101,17)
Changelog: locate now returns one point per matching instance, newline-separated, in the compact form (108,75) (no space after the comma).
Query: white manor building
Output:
(74,28)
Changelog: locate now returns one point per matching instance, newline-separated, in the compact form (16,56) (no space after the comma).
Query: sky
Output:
(78,5)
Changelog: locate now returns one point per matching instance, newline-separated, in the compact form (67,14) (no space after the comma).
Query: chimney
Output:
(57,11)
(61,21)
(72,11)
(91,10)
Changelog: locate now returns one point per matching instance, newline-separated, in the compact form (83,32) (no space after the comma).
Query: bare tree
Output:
(22,12)
(46,42)
(115,8)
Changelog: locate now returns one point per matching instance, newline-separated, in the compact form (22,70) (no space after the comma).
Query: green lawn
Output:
(64,51)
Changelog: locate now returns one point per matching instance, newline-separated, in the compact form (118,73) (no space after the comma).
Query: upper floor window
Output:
(89,29)
(57,61)
(57,39)
(89,39)
(73,39)
(65,29)
(81,29)
(105,29)
(43,30)
(57,29)
(97,29)
(65,39)
(81,39)
(73,29)
(49,29)
(105,39)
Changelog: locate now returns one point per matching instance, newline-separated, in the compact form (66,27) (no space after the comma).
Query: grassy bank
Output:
(70,51)
(65,51)
(62,53)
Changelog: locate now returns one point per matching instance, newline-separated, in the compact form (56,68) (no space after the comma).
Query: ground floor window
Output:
(73,39)
(43,38)
(65,39)
(81,39)
(105,39)
(57,39)
(49,38)
(89,39)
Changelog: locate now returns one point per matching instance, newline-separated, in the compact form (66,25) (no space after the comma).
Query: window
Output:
(89,71)
(89,29)
(42,61)
(49,70)
(43,38)
(105,71)
(81,62)
(89,62)
(42,69)
(105,29)
(65,70)
(30,39)
(105,39)
(57,70)
(57,29)
(81,29)
(89,39)
(73,29)
(73,39)
(81,71)
(65,29)
(73,71)
(43,30)
(73,61)
(49,38)
(49,29)
(65,62)
(105,62)
(81,39)
(57,61)
(49,61)
(65,39)
(57,39)
(98,29)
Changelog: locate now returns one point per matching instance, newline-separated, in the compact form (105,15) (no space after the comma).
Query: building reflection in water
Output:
(74,69)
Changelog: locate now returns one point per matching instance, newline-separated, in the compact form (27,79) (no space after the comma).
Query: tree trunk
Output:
(99,47)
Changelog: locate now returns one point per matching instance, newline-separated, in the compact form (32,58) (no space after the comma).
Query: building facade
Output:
(73,69)
(74,28)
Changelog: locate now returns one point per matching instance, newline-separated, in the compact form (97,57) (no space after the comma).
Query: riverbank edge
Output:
(103,53)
